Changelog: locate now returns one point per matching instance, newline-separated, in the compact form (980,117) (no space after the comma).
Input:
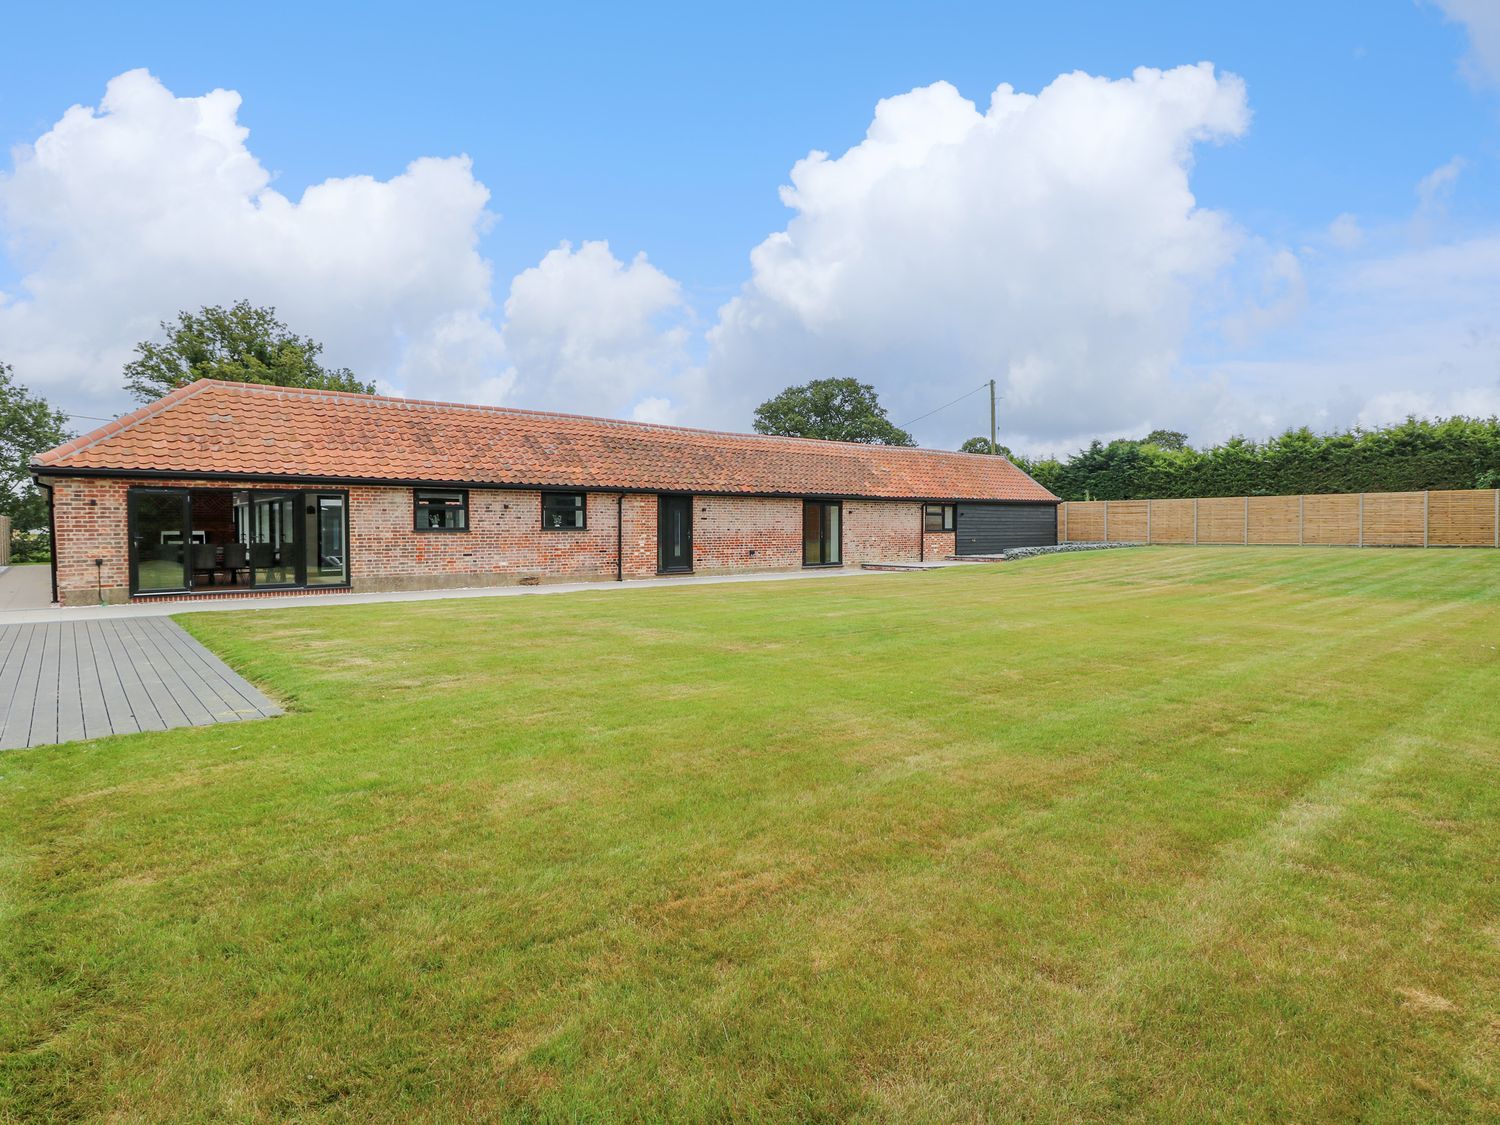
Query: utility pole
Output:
(994,445)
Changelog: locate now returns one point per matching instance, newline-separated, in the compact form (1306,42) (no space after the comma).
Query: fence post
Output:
(1426,516)
(1065,521)
(1247,521)
(1195,521)
(1106,521)
(1361,519)
(1301,518)
(1148,519)
(1497,518)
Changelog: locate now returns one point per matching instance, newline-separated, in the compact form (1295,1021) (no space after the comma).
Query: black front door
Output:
(674,528)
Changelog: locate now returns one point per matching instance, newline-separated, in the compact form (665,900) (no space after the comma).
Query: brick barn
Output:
(234,489)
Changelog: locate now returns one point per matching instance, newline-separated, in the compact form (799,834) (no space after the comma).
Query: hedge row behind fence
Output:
(1460,518)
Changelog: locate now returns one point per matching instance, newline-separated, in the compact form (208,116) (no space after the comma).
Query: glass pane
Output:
(160,553)
(832,512)
(562,510)
(273,535)
(212,562)
(442,510)
(325,536)
(812,534)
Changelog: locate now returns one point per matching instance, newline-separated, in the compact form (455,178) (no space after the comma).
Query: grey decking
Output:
(83,679)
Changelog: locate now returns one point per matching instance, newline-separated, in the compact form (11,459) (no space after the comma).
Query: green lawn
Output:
(1168,835)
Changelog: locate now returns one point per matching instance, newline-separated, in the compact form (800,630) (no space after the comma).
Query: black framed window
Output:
(822,533)
(939,517)
(441,509)
(564,511)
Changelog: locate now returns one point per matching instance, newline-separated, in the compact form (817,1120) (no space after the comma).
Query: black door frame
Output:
(663,499)
(824,539)
(133,535)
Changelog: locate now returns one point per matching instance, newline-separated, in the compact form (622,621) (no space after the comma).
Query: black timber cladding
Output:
(986,529)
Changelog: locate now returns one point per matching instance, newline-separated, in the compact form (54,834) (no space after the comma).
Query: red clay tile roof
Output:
(218,429)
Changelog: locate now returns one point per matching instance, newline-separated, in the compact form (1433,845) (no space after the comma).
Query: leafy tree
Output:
(28,426)
(1167,439)
(831,409)
(242,344)
(982,445)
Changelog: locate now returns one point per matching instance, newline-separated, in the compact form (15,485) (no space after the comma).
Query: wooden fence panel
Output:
(1457,518)
(1463,519)
(1171,521)
(1221,519)
(1086,521)
(1330,521)
(1395,519)
(1275,521)
(4,540)
(1127,521)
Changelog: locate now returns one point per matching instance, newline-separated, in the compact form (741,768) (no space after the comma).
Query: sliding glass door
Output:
(206,538)
(822,533)
(273,538)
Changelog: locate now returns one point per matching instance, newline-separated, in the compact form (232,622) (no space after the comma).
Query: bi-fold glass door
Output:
(196,539)
(267,525)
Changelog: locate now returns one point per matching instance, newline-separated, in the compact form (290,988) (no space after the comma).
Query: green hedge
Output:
(1414,455)
(30,546)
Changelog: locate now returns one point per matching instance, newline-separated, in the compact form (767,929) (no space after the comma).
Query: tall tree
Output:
(831,409)
(28,426)
(1167,439)
(242,344)
(982,445)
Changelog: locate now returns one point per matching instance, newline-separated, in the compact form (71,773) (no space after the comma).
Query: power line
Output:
(982,387)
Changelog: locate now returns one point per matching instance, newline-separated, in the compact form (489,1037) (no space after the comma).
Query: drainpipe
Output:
(51,531)
(921,533)
(619,537)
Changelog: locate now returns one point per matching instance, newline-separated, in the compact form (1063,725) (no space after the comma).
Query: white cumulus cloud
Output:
(590,334)
(1051,241)
(1481,19)
(124,213)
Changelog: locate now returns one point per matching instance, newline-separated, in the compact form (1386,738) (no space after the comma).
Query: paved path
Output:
(67,680)
(137,610)
(25,587)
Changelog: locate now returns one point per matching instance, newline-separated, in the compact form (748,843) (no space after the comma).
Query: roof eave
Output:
(510,486)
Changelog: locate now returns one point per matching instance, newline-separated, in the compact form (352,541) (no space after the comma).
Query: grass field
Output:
(1167,834)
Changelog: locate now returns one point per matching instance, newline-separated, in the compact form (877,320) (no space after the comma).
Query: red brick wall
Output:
(746,533)
(938,545)
(506,542)
(881,531)
(91,524)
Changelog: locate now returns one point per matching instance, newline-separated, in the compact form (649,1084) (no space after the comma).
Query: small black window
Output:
(939,517)
(563,511)
(441,509)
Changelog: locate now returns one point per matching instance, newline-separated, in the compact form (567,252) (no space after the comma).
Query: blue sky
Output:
(667,131)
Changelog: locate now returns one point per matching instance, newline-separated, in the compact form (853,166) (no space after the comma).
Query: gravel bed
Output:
(1028,552)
